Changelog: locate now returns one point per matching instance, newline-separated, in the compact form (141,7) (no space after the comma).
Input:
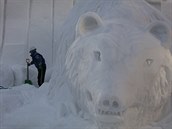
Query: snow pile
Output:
(13,98)
(30,109)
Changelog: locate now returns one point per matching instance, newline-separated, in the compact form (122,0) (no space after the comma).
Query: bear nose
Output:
(109,104)
(115,104)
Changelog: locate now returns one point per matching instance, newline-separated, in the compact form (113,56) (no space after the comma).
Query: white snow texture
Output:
(113,71)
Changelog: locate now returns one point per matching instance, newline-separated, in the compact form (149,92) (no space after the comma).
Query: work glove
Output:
(28,61)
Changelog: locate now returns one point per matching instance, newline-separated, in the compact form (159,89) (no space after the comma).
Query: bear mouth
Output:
(110,113)
(117,117)
(109,116)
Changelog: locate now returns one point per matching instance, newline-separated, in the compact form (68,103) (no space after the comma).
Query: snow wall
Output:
(25,23)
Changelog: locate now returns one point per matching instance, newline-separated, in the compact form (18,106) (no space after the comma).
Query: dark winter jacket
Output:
(37,60)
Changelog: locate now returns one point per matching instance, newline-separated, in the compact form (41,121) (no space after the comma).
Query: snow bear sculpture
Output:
(121,75)
(135,11)
(119,61)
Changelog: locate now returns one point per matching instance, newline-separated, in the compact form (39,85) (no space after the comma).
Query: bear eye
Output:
(97,55)
(89,96)
(149,61)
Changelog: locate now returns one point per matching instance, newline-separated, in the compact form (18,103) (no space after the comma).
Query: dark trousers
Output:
(41,75)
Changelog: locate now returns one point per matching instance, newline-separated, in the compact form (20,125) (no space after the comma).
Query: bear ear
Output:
(88,22)
(161,31)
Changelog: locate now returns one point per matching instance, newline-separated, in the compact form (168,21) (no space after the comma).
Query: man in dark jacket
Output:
(39,62)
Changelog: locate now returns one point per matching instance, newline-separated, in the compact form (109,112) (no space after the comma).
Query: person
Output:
(39,62)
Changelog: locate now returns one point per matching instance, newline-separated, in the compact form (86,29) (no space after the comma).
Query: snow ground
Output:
(34,111)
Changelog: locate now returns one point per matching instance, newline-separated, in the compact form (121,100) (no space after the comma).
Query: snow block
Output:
(6,76)
(20,75)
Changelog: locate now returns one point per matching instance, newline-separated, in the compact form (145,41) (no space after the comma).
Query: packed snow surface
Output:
(33,111)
